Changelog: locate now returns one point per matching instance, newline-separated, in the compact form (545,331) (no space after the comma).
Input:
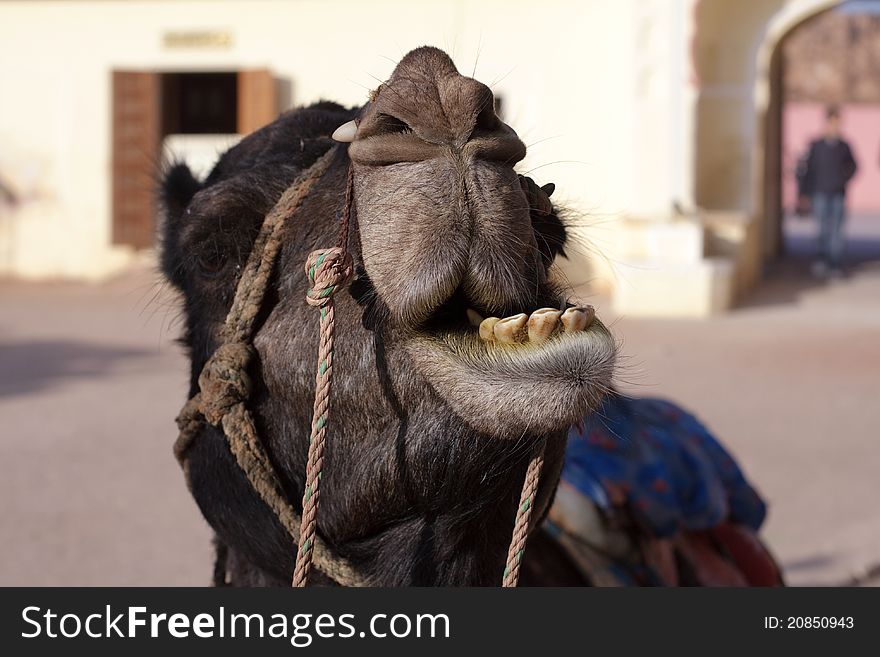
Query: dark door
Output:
(147,106)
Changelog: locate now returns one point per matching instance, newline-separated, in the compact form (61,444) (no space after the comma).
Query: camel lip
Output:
(505,390)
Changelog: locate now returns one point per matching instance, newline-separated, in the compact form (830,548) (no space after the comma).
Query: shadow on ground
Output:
(35,365)
(788,278)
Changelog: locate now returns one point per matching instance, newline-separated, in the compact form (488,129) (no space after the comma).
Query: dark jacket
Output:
(830,165)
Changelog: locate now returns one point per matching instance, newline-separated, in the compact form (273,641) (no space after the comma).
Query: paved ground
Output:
(90,380)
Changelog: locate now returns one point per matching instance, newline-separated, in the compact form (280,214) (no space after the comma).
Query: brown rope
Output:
(329,271)
(524,515)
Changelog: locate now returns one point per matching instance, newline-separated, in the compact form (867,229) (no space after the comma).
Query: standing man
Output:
(830,166)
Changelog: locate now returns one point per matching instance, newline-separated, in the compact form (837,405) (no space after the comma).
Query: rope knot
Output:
(224,381)
(329,270)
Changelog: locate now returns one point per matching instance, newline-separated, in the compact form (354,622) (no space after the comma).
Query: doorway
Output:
(150,105)
(830,59)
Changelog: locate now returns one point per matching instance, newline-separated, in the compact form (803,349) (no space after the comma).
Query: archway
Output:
(768,161)
(736,62)
(830,58)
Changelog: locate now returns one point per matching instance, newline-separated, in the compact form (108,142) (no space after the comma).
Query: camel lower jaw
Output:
(510,389)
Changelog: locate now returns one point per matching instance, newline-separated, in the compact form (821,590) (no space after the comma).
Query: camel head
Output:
(458,249)
(454,346)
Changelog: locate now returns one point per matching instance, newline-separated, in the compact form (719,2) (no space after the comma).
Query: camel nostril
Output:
(487,120)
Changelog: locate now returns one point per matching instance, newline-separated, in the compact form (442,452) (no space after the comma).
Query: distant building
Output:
(658,119)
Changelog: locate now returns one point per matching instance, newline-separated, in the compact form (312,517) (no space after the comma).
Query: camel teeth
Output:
(537,327)
(512,329)
(487,328)
(590,312)
(474,317)
(573,320)
(542,323)
(578,319)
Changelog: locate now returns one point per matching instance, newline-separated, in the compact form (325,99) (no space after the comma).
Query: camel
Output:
(456,350)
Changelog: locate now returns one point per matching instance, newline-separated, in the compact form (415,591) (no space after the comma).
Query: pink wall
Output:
(802,122)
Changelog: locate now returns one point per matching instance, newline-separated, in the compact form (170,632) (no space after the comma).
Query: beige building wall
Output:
(643,112)
(558,70)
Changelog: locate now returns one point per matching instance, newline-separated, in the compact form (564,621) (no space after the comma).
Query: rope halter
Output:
(225,386)
(224,381)
(328,270)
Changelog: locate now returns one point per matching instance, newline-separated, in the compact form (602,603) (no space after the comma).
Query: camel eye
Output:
(212,263)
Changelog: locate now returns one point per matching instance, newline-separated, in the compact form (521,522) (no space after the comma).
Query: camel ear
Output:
(178,188)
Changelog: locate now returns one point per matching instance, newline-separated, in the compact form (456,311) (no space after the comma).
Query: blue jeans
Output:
(828,210)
